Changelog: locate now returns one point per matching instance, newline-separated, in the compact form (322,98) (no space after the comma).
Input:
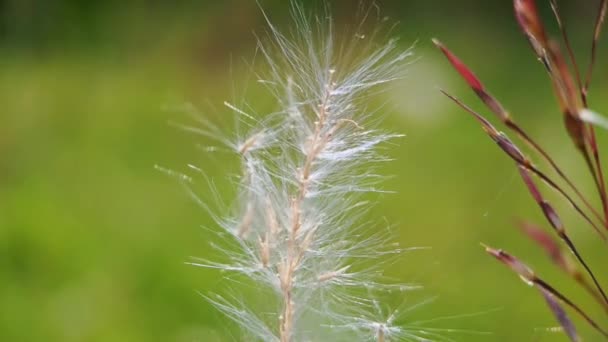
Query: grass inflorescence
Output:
(295,233)
(571,87)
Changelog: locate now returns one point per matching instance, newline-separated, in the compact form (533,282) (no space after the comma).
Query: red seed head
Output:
(474,82)
(513,263)
(546,242)
(462,69)
(529,21)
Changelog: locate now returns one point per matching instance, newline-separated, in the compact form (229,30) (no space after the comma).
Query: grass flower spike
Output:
(295,232)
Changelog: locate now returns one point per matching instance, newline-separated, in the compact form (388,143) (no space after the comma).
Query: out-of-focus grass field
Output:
(93,239)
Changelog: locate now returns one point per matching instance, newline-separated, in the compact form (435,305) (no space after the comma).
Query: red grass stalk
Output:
(582,134)
(572,96)
(599,23)
(515,153)
(564,262)
(497,108)
(566,39)
(525,168)
(528,275)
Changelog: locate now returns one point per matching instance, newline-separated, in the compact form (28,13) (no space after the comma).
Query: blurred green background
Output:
(93,239)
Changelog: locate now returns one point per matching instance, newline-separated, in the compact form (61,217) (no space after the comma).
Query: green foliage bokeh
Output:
(93,238)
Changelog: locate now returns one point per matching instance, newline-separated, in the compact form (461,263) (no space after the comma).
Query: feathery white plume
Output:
(296,230)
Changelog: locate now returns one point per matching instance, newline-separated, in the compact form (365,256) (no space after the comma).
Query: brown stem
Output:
(600,174)
(553,185)
(296,248)
(541,283)
(564,33)
(580,259)
(596,34)
(526,138)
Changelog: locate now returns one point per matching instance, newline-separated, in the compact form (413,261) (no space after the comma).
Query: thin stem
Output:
(553,185)
(380,335)
(544,285)
(580,259)
(600,174)
(564,32)
(526,138)
(601,14)
(528,165)
(296,246)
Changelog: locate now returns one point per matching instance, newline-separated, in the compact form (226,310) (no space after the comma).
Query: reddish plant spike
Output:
(576,131)
(566,40)
(599,23)
(527,275)
(571,94)
(552,217)
(512,151)
(565,300)
(494,105)
(562,75)
(513,263)
(529,21)
(487,126)
(462,69)
(560,314)
(600,173)
(557,224)
(499,110)
(501,139)
(474,82)
(544,240)
(584,136)
(563,260)
(547,209)
(532,188)
(509,148)
(521,133)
